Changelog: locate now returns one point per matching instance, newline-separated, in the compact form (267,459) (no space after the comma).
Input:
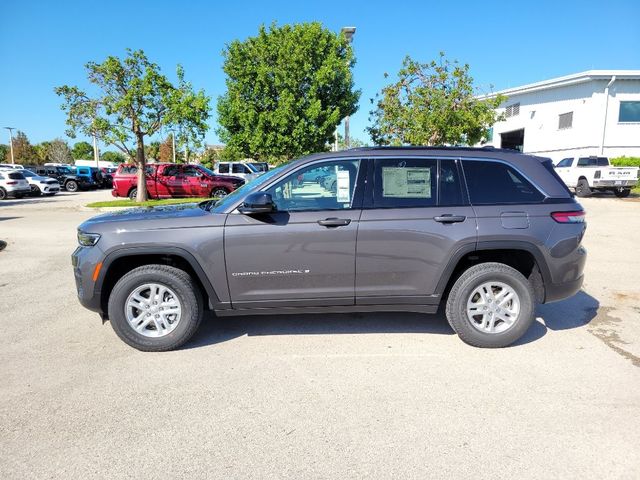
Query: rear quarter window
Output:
(492,183)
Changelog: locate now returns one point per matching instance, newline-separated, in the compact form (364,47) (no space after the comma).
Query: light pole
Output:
(96,153)
(348,32)
(11,129)
(173,143)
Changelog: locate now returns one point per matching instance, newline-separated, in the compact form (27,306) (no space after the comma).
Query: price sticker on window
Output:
(343,189)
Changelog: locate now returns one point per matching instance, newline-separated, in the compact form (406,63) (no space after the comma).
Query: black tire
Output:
(219,192)
(71,186)
(456,309)
(582,188)
(177,280)
(3,194)
(35,191)
(622,192)
(133,194)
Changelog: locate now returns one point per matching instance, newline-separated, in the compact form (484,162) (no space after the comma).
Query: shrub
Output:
(625,161)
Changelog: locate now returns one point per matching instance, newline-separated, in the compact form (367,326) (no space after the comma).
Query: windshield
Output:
(223,203)
(28,173)
(207,171)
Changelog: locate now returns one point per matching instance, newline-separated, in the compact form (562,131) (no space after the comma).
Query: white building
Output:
(590,113)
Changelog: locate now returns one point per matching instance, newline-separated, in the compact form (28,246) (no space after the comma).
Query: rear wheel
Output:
(219,192)
(622,192)
(133,194)
(582,188)
(491,305)
(3,193)
(155,308)
(71,186)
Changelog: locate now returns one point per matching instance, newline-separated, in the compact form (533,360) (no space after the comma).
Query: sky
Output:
(44,44)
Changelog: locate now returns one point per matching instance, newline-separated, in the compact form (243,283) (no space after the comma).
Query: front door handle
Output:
(334,222)
(447,218)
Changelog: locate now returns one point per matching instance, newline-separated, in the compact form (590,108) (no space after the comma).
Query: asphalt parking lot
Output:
(317,396)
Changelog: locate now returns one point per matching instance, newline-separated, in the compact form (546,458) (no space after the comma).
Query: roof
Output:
(588,76)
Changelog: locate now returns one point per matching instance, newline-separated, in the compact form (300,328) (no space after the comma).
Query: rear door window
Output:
(239,168)
(223,168)
(405,182)
(497,183)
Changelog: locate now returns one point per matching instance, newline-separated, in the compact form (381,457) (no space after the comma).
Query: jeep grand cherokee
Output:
(488,233)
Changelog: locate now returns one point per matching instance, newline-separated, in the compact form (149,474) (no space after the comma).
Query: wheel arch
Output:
(119,262)
(524,256)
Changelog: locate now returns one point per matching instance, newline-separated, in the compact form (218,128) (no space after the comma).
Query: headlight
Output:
(88,239)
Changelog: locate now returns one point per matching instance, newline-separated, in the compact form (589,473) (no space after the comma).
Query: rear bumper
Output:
(560,291)
(614,183)
(17,190)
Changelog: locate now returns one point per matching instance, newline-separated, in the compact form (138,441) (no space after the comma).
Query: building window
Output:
(512,110)
(565,120)
(629,112)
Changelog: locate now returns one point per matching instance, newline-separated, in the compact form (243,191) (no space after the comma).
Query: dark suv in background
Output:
(67,177)
(488,233)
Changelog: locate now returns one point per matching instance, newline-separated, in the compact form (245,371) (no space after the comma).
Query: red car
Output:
(170,180)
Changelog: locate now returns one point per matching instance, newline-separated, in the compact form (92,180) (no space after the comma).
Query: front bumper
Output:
(84,261)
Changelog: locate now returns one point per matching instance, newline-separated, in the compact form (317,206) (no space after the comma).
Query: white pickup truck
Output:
(589,174)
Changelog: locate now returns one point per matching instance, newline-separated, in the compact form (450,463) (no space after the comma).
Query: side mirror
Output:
(257,202)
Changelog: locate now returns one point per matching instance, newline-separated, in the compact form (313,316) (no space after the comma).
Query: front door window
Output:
(325,186)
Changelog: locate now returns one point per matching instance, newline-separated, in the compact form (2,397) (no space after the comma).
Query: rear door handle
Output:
(447,218)
(334,222)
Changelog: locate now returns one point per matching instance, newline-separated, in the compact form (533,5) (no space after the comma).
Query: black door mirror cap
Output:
(257,202)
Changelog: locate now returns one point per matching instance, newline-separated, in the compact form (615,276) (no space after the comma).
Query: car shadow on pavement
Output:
(221,329)
(574,312)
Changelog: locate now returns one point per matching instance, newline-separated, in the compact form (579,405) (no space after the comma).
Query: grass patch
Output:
(125,202)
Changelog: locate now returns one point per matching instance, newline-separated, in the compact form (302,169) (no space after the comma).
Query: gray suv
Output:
(485,233)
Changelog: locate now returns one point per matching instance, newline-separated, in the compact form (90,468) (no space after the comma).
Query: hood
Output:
(149,218)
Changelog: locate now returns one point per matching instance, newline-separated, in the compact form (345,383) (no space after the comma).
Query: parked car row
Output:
(171,180)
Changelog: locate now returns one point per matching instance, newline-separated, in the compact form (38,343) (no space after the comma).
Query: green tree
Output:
(110,156)
(288,88)
(82,151)
(42,152)
(353,143)
(5,154)
(152,150)
(23,152)
(432,104)
(135,102)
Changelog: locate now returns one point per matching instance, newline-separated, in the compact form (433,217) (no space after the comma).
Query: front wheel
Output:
(491,305)
(155,308)
(71,186)
(622,192)
(219,192)
(35,191)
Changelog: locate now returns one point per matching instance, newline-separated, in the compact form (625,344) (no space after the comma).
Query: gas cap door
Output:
(514,220)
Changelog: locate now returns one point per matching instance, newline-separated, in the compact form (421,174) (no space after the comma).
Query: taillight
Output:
(576,216)
(12,183)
